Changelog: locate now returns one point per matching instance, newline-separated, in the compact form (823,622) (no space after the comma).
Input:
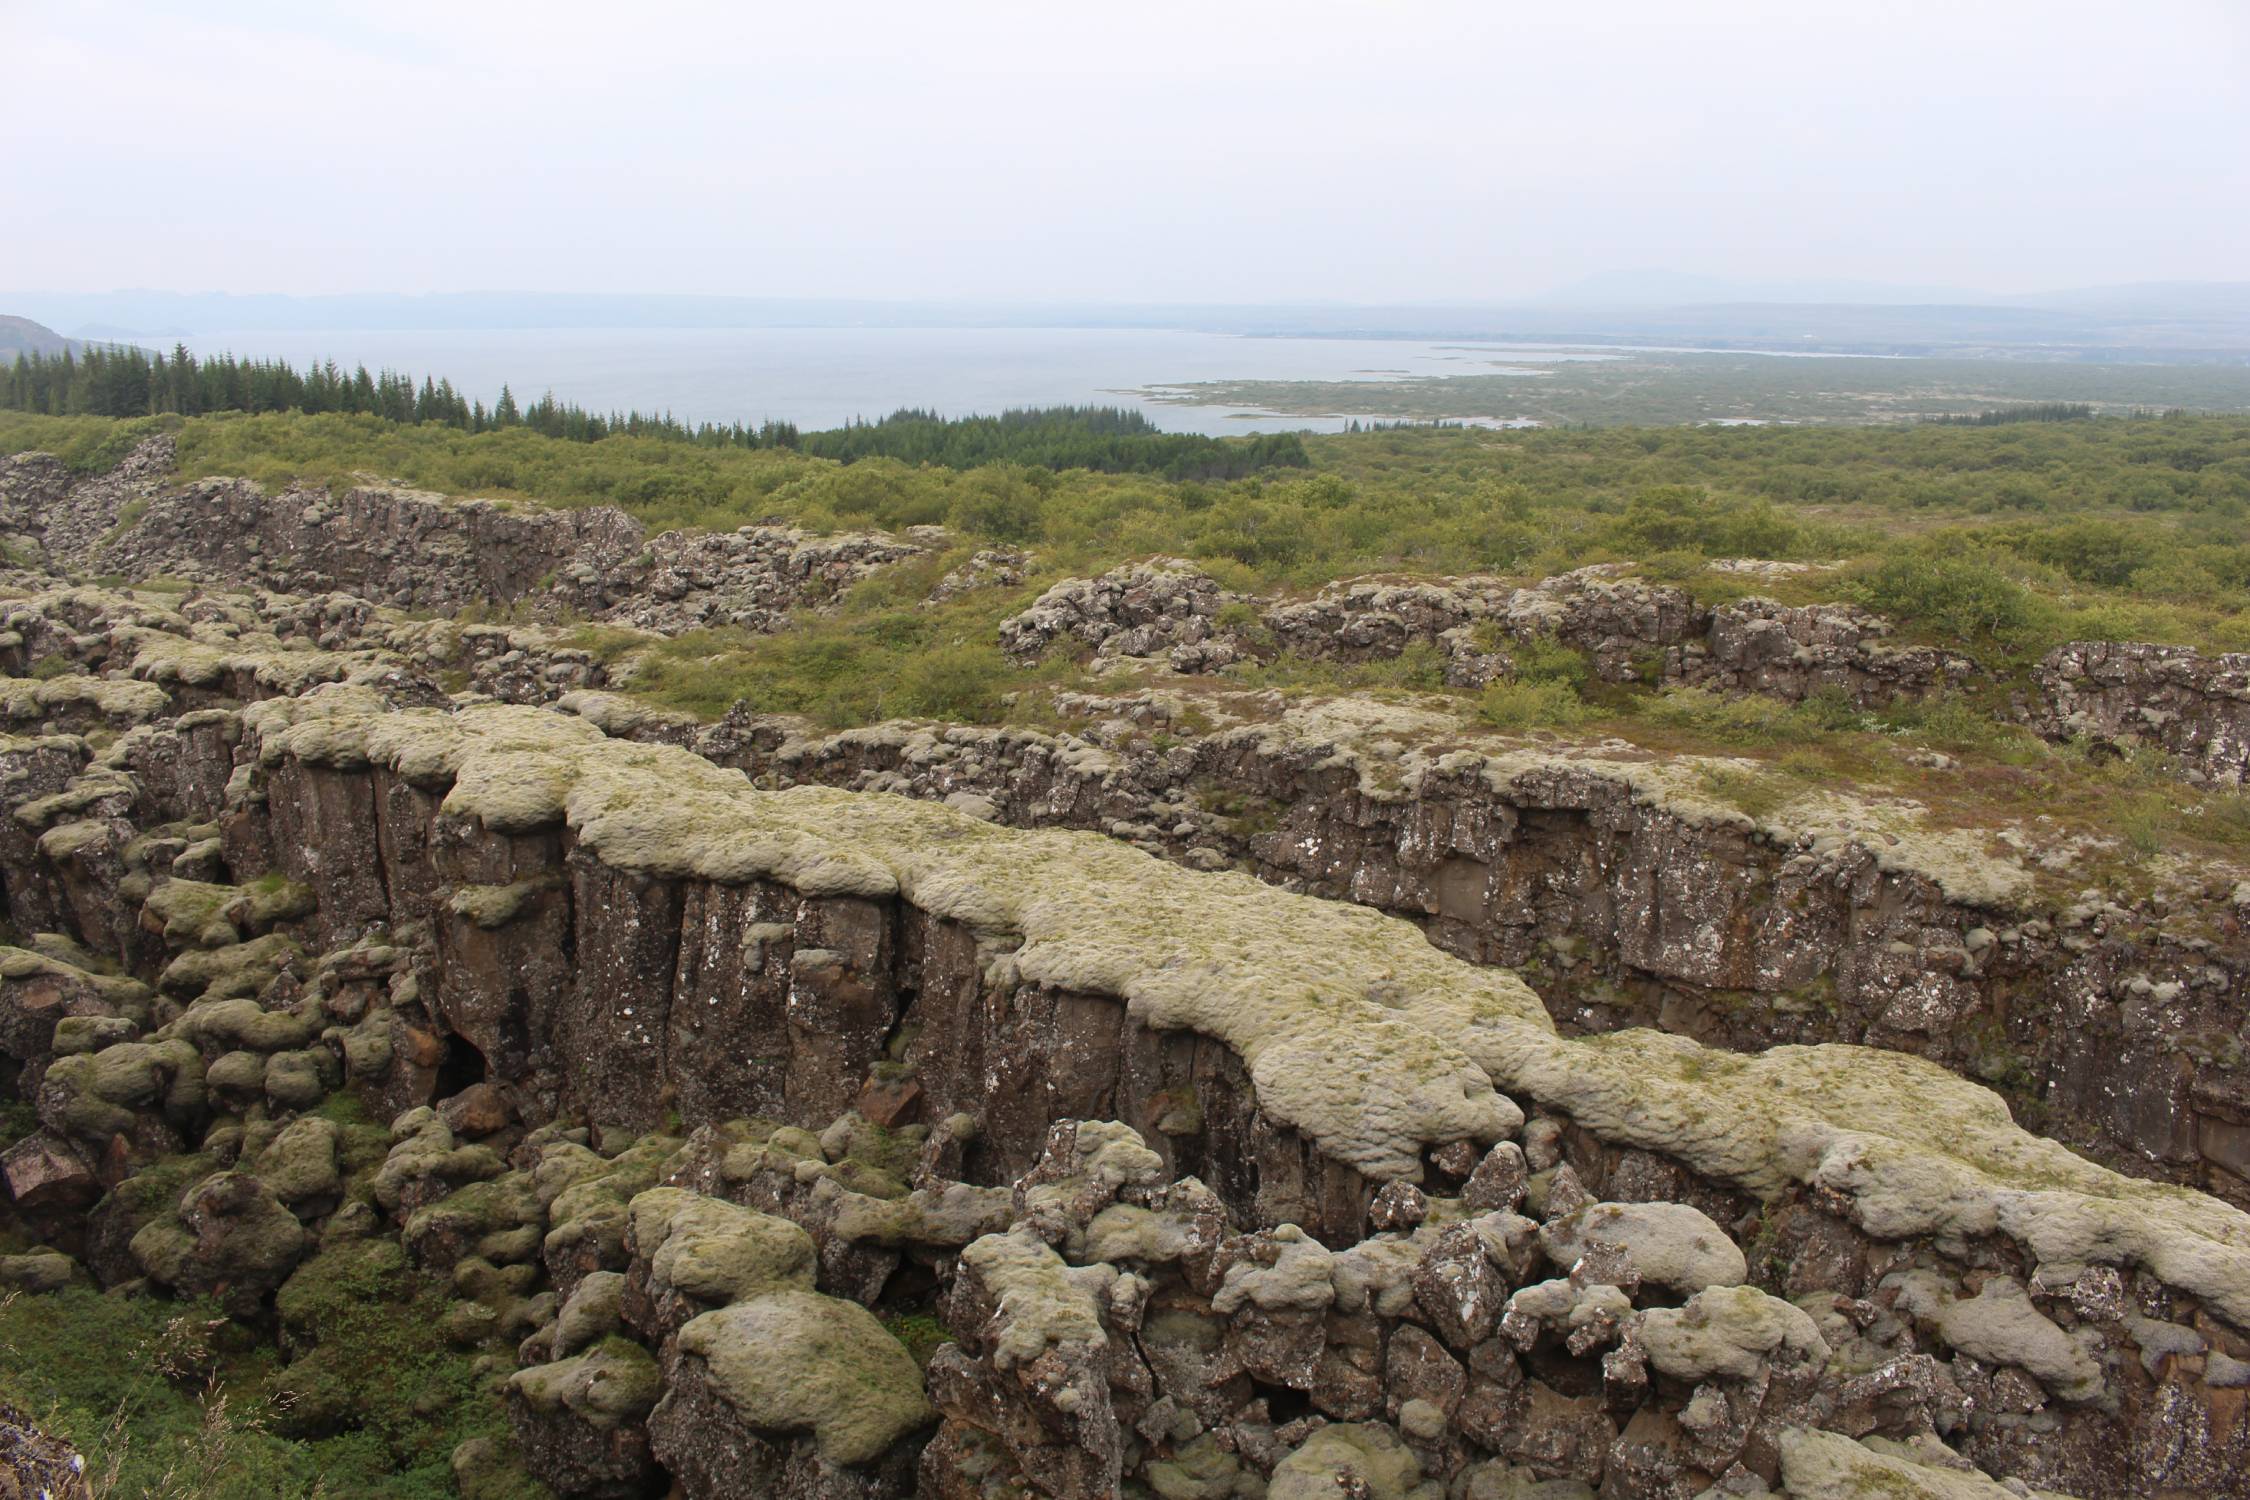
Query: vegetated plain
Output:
(2039,526)
(1660,387)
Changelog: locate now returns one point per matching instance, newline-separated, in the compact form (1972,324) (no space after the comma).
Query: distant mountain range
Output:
(2169,322)
(1620,289)
(1658,288)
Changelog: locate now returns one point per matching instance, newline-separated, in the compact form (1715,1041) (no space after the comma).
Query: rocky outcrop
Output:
(1167,607)
(1625,629)
(421,551)
(1635,895)
(1348,1206)
(63,518)
(2193,706)
(1111,1327)
(1794,652)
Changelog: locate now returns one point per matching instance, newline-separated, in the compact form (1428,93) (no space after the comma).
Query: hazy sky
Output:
(1145,151)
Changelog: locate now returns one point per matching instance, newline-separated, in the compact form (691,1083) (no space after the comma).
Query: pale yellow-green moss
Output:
(192,913)
(494,906)
(1912,1148)
(122,995)
(224,973)
(1729,1332)
(111,698)
(795,1361)
(161,656)
(1330,1460)
(89,787)
(715,1251)
(1042,1302)
(1282,981)
(1394,747)
(1819,1465)
(616,714)
(1355,1030)
(611,1384)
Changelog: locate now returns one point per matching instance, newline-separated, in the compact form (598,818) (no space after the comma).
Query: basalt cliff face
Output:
(1632,898)
(1175,1079)
(421,551)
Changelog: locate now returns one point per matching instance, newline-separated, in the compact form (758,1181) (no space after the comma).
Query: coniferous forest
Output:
(124,381)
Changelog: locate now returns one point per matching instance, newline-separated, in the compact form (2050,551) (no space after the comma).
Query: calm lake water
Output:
(824,377)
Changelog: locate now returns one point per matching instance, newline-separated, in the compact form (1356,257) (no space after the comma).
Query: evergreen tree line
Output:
(2033,411)
(123,381)
(1107,439)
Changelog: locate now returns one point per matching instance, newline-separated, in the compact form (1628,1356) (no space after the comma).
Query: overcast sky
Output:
(1145,151)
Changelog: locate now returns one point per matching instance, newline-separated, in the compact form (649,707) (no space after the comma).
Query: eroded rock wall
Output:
(1628,630)
(2194,706)
(2116,1027)
(420,551)
(1347,1210)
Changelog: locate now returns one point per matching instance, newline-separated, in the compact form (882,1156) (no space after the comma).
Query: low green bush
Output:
(1520,705)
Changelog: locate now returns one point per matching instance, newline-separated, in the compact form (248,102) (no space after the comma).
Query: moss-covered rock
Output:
(498,1220)
(798,1362)
(578,1420)
(1352,1458)
(232,1239)
(40,1271)
(1671,1245)
(1186,952)
(96,1095)
(712,1252)
(1729,1332)
(301,1164)
(1819,1465)
(235,972)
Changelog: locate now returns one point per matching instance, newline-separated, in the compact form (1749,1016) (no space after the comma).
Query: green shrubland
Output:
(2015,536)
(184,1404)
(2000,539)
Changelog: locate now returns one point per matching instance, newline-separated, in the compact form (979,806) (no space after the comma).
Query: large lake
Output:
(824,377)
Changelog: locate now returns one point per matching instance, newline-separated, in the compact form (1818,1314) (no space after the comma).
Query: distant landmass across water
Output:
(1634,347)
(826,377)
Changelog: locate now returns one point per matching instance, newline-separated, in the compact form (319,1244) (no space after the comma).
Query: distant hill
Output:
(1659,288)
(22,336)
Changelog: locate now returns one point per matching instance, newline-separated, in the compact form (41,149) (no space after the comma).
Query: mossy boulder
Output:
(151,1193)
(301,1164)
(425,1165)
(218,1025)
(235,972)
(1669,1245)
(300,1080)
(77,1034)
(1729,1332)
(1357,1458)
(232,1239)
(588,1205)
(695,1253)
(499,1219)
(96,1095)
(40,1271)
(799,1362)
(578,1421)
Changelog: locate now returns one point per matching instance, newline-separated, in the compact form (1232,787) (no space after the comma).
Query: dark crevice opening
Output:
(461,1067)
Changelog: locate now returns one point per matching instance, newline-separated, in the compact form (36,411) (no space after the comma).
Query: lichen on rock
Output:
(798,1362)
